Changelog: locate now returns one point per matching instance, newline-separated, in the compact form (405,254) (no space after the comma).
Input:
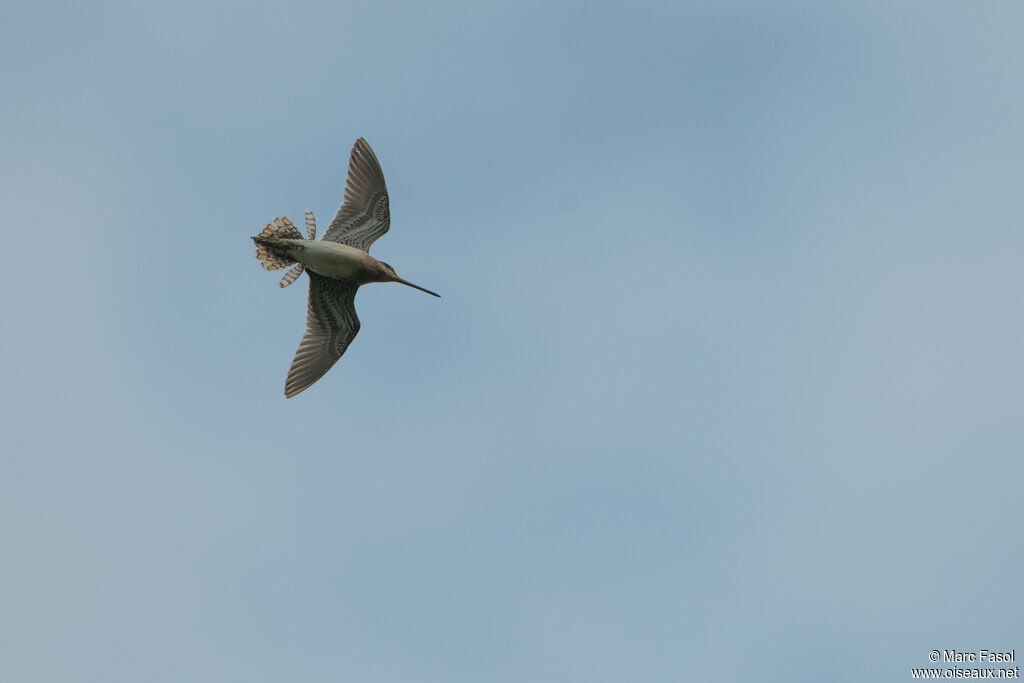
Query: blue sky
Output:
(725,383)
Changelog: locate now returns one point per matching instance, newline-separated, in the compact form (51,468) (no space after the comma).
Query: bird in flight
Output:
(337,265)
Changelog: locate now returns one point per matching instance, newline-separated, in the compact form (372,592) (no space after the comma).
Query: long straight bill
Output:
(422,289)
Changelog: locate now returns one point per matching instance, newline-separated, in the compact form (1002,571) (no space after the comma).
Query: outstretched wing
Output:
(331,325)
(363,215)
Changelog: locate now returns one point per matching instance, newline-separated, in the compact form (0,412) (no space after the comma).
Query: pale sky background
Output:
(726,382)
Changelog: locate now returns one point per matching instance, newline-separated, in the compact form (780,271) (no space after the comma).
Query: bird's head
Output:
(388,274)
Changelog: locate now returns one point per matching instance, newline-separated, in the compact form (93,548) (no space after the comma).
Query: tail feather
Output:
(271,258)
(310,225)
(291,276)
(283,228)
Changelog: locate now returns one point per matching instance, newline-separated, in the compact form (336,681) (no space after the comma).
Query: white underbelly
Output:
(332,259)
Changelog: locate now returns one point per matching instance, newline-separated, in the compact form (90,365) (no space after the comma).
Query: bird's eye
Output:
(388,266)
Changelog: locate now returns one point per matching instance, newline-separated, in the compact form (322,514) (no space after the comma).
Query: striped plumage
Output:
(337,266)
(364,214)
(331,325)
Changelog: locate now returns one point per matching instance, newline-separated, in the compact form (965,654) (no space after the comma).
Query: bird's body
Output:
(337,266)
(330,259)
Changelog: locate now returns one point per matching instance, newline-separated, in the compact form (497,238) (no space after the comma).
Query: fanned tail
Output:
(268,249)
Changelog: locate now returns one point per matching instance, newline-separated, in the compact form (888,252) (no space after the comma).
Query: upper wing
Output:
(331,325)
(363,215)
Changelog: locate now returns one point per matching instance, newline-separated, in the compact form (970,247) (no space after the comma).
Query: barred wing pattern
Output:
(331,325)
(364,214)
